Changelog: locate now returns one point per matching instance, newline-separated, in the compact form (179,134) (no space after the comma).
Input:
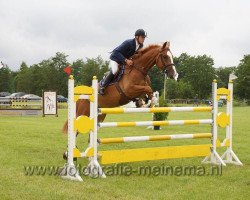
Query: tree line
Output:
(196,74)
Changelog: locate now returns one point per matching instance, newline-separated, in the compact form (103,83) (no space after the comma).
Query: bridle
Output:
(164,65)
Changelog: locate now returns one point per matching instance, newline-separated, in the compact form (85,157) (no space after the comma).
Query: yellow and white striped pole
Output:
(153,110)
(153,138)
(155,123)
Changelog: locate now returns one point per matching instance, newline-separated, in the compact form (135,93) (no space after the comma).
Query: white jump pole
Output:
(94,169)
(70,171)
(214,156)
(229,156)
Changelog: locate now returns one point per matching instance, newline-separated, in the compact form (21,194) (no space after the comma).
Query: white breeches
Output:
(113,66)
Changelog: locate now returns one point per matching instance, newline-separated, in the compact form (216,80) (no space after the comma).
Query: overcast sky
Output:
(33,30)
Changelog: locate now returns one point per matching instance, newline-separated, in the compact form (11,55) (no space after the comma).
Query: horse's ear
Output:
(166,45)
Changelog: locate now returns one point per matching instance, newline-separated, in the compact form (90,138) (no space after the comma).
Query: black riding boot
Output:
(106,81)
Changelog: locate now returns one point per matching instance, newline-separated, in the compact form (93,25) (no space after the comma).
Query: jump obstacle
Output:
(19,107)
(85,124)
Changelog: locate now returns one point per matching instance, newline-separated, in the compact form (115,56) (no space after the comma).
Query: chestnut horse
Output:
(134,82)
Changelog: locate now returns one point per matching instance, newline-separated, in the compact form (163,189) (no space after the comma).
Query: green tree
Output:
(48,75)
(171,89)
(77,67)
(38,80)
(185,91)
(179,90)
(180,64)
(56,79)
(197,71)
(23,79)
(93,67)
(242,86)
(6,79)
(157,79)
(222,74)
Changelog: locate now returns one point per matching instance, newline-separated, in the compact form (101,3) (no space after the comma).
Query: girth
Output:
(124,97)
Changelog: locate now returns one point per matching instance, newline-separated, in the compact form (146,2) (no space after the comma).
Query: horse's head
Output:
(164,61)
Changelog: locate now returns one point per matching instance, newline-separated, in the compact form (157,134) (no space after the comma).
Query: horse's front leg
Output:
(140,89)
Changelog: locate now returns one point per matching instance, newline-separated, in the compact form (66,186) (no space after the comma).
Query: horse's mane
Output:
(144,50)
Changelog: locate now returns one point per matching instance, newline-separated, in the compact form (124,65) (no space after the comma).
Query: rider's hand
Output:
(129,62)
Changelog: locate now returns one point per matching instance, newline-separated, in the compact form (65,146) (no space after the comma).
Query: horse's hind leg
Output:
(82,108)
(101,117)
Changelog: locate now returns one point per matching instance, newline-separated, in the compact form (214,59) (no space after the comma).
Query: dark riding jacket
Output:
(124,51)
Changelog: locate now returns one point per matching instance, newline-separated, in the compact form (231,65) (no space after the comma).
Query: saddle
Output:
(117,77)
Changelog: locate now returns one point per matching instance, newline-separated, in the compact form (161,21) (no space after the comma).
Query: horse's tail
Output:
(65,127)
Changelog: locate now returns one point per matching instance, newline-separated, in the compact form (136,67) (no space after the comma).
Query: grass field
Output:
(37,141)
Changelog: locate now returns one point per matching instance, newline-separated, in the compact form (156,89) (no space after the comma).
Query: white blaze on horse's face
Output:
(172,61)
(170,56)
(176,75)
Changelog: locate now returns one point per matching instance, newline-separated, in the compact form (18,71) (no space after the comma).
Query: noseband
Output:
(164,65)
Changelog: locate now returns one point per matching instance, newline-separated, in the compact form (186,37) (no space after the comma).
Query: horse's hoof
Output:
(98,141)
(65,156)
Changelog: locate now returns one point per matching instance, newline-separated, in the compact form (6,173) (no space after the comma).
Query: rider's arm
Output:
(117,52)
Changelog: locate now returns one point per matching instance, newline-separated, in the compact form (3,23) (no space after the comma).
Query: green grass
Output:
(37,141)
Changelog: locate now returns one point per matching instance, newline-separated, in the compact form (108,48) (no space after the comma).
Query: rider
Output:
(121,54)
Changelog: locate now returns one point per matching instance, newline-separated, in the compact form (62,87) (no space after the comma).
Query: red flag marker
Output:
(67,70)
